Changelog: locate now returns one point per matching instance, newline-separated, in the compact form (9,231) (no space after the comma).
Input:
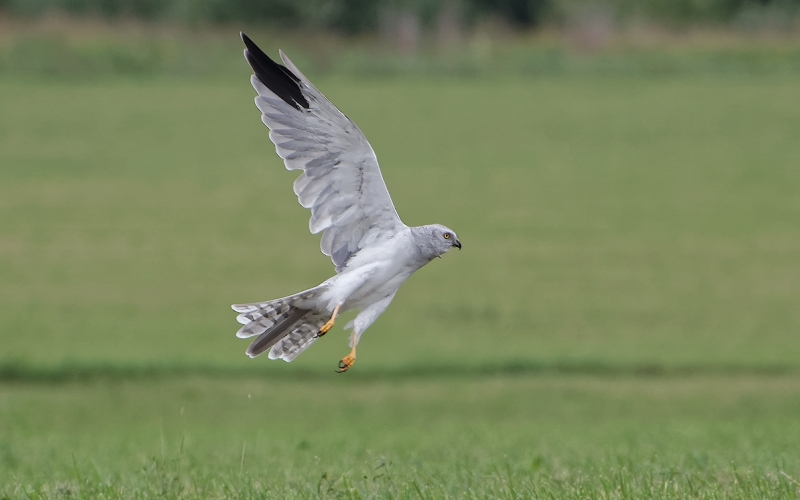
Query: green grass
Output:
(622,321)
(609,221)
(473,437)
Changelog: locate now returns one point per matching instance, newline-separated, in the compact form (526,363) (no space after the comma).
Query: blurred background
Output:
(624,176)
(83,38)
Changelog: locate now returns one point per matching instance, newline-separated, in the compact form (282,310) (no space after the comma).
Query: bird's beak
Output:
(457,244)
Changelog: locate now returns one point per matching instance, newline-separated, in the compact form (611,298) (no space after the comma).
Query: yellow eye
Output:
(447,236)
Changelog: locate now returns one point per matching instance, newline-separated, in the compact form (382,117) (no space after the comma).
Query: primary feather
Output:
(341,182)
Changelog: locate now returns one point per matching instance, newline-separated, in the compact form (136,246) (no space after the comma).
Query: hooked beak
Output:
(457,244)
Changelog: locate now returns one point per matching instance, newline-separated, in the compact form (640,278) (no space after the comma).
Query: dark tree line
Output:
(364,16)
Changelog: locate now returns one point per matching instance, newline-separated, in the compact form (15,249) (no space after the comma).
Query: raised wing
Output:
(341,182)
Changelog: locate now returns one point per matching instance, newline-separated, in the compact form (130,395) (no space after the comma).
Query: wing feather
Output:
(341,181)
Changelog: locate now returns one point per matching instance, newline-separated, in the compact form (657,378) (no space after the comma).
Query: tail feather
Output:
(286,325)
(300,338)
(263,318)
(275,333)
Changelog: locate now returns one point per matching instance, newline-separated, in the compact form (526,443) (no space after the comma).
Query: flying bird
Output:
(372,251)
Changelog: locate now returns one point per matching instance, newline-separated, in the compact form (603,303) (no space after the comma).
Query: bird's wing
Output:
(341,182)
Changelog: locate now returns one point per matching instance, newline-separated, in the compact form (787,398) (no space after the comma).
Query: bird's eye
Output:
(447,236)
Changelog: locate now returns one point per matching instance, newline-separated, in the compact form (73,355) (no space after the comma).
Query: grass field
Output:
(622,321)
(475,437)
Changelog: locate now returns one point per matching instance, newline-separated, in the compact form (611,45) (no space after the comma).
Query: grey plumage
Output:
(372,251)
(281,324)
(276,332)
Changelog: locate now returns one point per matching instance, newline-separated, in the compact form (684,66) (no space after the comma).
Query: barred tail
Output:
(281,324)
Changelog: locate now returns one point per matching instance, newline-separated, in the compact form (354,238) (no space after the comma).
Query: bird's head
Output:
(441,239)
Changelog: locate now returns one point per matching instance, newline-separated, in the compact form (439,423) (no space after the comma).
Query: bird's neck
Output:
(425,250)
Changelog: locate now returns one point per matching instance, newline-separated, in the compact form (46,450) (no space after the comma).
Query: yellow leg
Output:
(329,324)
(350,359)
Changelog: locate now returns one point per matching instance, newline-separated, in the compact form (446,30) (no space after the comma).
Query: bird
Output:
(372,250)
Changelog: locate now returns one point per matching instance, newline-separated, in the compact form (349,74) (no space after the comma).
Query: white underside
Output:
(370,280)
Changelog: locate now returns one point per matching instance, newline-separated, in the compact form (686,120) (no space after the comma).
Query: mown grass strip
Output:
(77,372)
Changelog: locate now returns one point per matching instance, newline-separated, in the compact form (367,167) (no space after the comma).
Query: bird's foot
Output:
(347,362)
(329,324)
(326,327)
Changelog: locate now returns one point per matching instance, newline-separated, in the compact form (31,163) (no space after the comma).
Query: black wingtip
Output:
(276,77)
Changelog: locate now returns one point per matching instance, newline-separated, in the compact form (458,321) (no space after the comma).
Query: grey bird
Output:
(372,250)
